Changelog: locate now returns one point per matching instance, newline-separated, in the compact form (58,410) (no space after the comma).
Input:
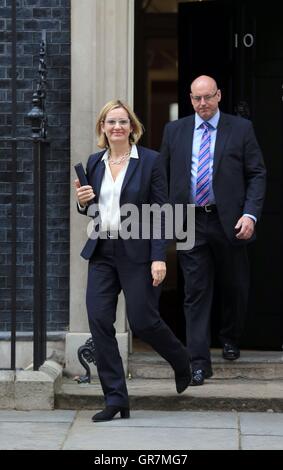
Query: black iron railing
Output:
(86,355)
(38,119)
(38,138)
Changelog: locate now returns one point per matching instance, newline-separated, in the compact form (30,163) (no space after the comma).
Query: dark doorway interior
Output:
(242,49)
(240,44)
(156,102)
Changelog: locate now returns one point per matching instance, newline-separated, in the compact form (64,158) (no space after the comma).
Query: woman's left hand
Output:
(158,272)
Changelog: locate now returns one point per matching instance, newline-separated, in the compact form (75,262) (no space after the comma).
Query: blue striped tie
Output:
(202,184)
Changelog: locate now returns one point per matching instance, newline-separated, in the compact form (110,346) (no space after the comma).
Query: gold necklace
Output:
(119,160)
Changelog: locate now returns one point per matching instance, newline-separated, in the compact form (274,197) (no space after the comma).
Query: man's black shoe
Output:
(182,381)
(230,352)
(199,375)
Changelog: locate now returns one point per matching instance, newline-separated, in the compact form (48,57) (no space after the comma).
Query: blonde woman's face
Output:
(117,126)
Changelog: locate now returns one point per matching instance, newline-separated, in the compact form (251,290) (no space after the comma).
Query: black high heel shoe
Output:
(109,412)
(183,381)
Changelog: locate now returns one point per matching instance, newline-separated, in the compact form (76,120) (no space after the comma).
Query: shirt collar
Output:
(213,121)
(133,154)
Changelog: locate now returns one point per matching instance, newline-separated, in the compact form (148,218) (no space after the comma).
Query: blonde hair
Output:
(137,127)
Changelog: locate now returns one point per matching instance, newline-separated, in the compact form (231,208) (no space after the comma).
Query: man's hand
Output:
(84,193)
(158,271)
(246,226)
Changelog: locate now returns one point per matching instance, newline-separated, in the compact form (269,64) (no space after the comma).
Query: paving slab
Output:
(33,436)
(154,439)
(262,443)
(145,431)
(169,419)
(35,416)
(34,430)
(267,424)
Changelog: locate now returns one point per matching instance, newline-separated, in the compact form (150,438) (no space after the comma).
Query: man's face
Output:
(205,98)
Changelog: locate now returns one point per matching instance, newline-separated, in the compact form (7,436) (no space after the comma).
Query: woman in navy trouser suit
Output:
(124,173)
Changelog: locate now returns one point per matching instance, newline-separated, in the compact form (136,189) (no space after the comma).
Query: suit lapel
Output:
(133,164)
(98,176)
(189,146)
(223,132)
(185,151)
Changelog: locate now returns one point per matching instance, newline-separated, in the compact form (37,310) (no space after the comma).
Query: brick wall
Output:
(32,17)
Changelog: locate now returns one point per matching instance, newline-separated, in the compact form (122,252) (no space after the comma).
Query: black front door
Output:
(240,44)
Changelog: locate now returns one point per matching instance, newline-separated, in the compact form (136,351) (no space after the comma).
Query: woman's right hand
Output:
(84,193)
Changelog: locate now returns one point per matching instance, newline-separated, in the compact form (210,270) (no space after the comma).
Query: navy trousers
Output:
(109,271)
(213,256)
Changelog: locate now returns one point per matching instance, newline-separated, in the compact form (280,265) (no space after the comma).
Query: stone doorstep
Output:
(33,391)
(254,383)
(44,389)
(263,365)
(30,390)
(7,389)
(255,371)
(160,394)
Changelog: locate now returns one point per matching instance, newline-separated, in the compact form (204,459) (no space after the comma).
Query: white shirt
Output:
(110,192)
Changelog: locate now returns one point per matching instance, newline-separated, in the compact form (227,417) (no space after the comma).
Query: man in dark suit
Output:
(213,161)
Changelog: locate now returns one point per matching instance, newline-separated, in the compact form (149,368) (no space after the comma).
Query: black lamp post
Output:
(36,116)
(38,119)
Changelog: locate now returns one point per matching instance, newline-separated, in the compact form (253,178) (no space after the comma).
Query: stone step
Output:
(262,365)
(253,383)
(160,394)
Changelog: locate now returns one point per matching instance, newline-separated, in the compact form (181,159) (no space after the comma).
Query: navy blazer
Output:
(238,168)
(144,183)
